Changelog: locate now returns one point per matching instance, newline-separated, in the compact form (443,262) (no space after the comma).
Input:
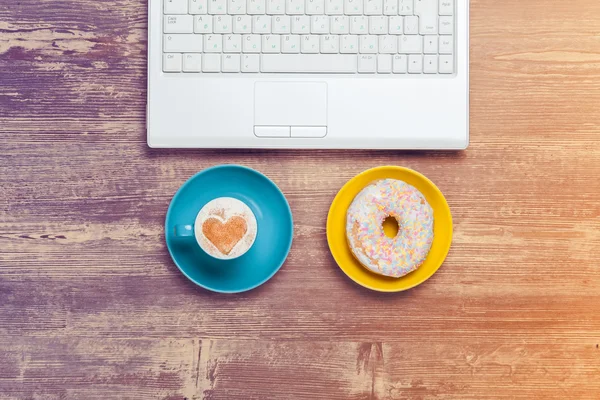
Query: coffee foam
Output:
(219,220)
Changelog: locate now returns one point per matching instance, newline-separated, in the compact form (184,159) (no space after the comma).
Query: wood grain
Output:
(91,306)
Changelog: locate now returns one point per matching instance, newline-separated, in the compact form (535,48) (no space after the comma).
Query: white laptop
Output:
(337,74)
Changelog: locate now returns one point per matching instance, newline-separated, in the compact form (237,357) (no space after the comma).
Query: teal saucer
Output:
(273,217)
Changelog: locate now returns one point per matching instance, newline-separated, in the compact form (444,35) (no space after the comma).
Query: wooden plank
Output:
(372,370)
(79,367)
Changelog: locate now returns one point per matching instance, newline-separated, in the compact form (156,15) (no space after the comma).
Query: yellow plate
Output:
(336,230)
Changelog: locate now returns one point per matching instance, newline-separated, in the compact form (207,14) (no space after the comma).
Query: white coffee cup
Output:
(225,228)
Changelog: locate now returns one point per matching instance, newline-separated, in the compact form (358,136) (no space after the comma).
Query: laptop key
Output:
(211,63)
(367,63)
(309,63)
(179,24)
(427,10)
(172,62)
(186,43)
(176,6)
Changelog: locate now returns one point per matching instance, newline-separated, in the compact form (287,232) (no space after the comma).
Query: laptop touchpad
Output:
(290,104)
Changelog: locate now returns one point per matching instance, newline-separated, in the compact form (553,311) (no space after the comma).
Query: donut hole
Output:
(390,227)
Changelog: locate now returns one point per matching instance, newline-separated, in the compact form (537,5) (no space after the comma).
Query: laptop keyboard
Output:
(309,36)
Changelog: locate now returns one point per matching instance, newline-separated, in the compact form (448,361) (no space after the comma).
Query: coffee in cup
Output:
(225,228)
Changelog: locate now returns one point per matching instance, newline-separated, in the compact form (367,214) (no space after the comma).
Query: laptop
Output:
(331,74)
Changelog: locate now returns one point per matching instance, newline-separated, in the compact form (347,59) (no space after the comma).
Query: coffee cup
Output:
(225,228)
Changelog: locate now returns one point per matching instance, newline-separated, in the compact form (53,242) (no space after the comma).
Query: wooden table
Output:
(91,306)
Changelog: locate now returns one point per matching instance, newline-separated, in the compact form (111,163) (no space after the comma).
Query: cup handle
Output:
(183,231)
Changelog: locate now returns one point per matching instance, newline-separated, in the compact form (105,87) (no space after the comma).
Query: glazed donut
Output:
(377,252)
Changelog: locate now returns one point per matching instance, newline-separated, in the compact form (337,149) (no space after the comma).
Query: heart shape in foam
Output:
(224,235)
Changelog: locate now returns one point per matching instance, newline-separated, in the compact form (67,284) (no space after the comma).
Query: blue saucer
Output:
(273,241)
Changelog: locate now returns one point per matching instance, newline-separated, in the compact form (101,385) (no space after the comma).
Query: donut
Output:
(402,254)
(225,228)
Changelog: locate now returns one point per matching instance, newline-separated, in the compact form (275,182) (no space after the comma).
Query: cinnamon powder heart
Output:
(224,235)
